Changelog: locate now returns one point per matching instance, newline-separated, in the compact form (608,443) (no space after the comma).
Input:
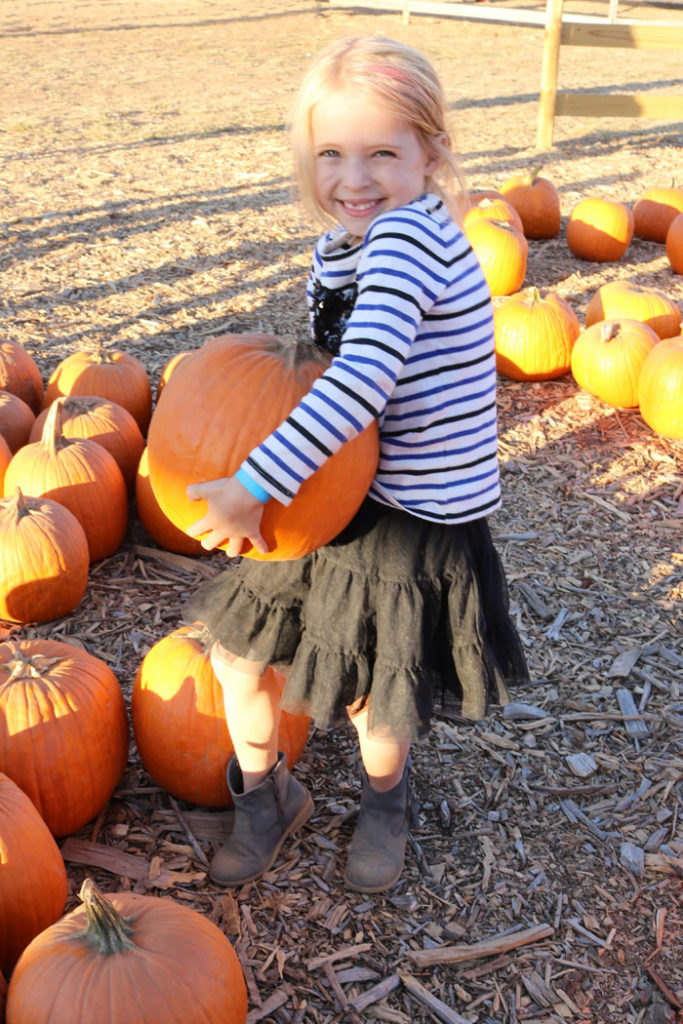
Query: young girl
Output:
(410,599)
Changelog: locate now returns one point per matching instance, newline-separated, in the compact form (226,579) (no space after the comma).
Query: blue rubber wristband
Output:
(254,488)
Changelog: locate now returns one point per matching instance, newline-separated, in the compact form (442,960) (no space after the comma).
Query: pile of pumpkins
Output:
(630,350)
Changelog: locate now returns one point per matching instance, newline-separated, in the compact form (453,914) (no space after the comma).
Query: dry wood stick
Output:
(374,994)
(199,853)
(439,1008)
(488,947)
(339,954)
(272,1003)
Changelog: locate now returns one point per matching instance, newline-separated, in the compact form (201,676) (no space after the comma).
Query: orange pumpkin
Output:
(111,374)
(654,212)
(81,475)
(128,959)
(599,229)
(44,559)
(607,358)
(674,244)
(20,375)
(157,524)
(224,399)
(625,299)
(492,209)
(660,388)
(5,459)
(33,885)
(179,720)
(16,420)
(168,370)
(534,335)
(537,202)
(99,419)
(63,729)
(502,252)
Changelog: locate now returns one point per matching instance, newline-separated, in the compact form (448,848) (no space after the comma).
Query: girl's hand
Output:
(233,515)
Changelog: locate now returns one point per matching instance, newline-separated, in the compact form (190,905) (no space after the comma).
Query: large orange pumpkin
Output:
(617,300)
(179,720)
(654,212)
(19,374)
(157,524)
(674,244)
(16,420)
(537,202)
(33,885)
(502,252)
(128,959)
(607,359)
(599,229)
(534,335)
(491,209)
(660,388)
(63,729)
(224,399)
(107,373)
(81,475)
(99,419)
(44,559)
(5,459)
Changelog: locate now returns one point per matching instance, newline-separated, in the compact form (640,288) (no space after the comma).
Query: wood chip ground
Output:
(145,205)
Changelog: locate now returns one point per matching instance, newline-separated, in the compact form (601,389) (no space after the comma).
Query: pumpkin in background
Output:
(16,420)
(224,399)
(104,421)
(3,997)
(157,524)
(5,459)
(81,475)
(660,388)
(125,958)
(168,370)
(179,720)
(492,209)
(107,373)
(63,729)
(20,375)
(33,885)
(535,332)
(625,299)
(607,358)
(674,244)
(600,230)
(537,202)
(44,559)
(654,212)
(502,252)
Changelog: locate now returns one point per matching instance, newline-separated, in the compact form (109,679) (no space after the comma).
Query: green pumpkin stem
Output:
(106,930)
(18,507)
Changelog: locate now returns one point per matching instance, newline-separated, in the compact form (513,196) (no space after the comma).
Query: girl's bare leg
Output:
(384,759)
(252,710)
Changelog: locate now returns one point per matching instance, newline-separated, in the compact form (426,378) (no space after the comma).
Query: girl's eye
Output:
(328,153)
(385,152)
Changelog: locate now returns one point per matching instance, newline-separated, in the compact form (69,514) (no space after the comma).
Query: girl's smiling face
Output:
(367,161)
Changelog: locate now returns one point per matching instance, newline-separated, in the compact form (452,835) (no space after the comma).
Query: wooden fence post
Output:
(551,57)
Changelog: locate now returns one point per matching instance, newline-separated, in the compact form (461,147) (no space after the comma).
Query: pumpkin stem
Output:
(534,173)
(22,666)
(610,329)
(106,930)
(18,506)
(53,435)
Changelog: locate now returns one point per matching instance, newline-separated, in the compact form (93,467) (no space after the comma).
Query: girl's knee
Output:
(223,660)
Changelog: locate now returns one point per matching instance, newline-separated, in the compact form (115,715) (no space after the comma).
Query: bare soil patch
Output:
(145,205)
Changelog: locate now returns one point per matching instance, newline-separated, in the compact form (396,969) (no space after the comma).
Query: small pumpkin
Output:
(607,359)
(33,883)
(104,421)
(81,475)
(20,375)
(224,399)
(44,559)
(5,459)
(502,252)
(179,719)
(16,420)
(63,729)
(128,958)
(655,210)
(155,521)
(626,299)
(660,388)
(107,373)
(537,202)
(534,333)
(599,230)
(492,209)
(674,244)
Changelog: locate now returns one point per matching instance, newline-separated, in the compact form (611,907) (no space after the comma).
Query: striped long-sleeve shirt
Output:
(417,355)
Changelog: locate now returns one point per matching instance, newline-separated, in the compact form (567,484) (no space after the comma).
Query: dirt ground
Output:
(145,205)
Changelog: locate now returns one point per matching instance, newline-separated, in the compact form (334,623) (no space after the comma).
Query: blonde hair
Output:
(403,81)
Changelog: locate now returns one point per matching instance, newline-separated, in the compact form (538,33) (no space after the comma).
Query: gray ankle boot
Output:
(264,817)
(377,850)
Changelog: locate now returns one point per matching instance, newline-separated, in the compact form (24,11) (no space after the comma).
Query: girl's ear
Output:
(436,159)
